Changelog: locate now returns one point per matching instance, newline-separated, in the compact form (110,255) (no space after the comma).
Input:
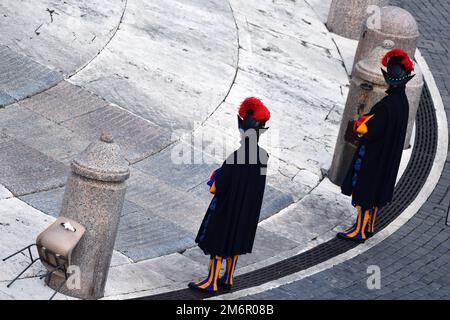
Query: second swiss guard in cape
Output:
(229,227)
(381,134)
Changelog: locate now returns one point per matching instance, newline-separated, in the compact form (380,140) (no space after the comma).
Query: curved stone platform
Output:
(170,62)
(133,83)
(166,201)
(61,35)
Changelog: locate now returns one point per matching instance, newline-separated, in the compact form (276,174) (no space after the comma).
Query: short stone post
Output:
(346,17)
(94,197)
(398,25)
(367,87)
(394,24)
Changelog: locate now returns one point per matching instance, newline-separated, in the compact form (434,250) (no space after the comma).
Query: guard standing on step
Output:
(381,134)
(229,227)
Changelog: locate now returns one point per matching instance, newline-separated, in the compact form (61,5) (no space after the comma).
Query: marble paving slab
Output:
(189,62)
(321,8)
(287,18)
(163,200)
(25,170)
(48,202)
(5,99)
(63,102)
(143,235)
(177,166)
(21,77)
(41,134)
(19,226)
(313,216)
(138,138)
(59,34)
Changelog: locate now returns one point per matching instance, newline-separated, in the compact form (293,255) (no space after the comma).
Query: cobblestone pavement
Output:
(414,261)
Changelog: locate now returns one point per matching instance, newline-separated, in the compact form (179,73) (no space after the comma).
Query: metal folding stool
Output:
(54,246)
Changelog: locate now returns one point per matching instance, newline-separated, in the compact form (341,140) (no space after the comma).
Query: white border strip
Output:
(405,216)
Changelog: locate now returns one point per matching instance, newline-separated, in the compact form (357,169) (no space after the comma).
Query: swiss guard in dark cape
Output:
(229,227)
(381,134)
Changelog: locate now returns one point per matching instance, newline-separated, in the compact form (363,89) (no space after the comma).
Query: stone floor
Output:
(162,77)
(133,78)
(161,87)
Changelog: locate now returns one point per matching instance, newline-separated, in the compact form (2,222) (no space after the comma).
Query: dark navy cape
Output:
(372,175)
(230,223)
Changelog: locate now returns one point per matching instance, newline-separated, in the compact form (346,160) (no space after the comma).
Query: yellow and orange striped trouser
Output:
(228,276)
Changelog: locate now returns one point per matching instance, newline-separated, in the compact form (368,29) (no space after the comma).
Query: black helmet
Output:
(399,67)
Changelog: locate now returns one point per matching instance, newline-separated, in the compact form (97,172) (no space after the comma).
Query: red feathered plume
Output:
(260,111)
(406,60)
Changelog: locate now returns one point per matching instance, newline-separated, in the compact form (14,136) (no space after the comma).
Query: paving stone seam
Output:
(142,118)
(4,135)
(58,123)
(15,100)
(233,82)
(342,58)
(104,47)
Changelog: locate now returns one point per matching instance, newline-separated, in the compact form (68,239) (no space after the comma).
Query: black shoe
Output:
(224,287)
(343,236)
(195,287)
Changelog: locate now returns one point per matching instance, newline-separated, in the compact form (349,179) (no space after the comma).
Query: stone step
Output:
(42,134)
(153,274)
(63,102)
(21,77)
(267,244)
(144,235)
(138,138)
(25,170)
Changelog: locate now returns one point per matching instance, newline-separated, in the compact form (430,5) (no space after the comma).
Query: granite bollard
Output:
(395,24)
(367,87)
(346,17)
(398,25)
(94,197)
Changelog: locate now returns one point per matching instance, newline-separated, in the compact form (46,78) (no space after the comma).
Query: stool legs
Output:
(49,274)
(32,261)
